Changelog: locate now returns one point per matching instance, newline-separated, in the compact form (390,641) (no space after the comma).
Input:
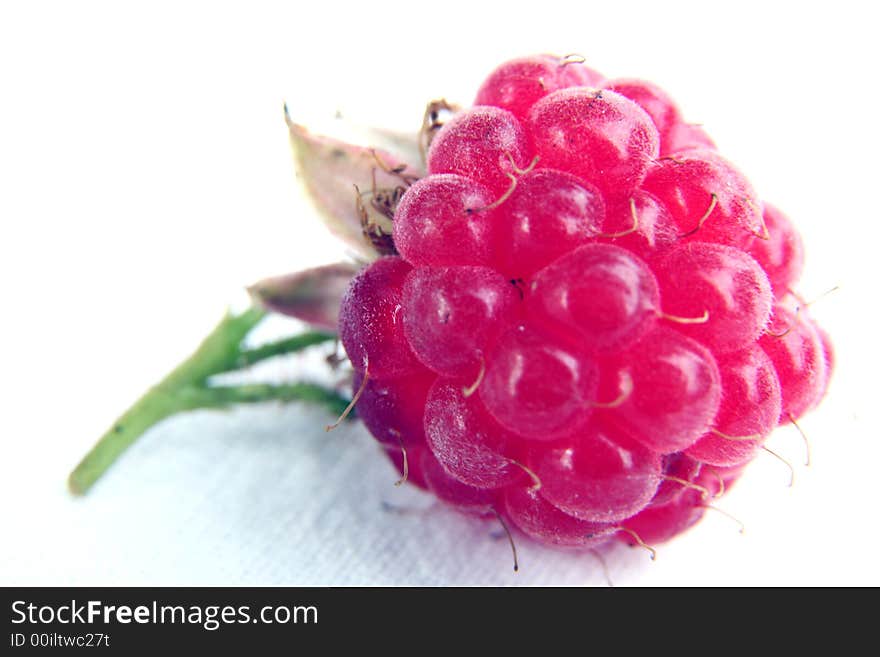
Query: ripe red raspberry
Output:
(588,329)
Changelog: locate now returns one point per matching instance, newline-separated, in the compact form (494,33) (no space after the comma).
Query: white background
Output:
(145,178)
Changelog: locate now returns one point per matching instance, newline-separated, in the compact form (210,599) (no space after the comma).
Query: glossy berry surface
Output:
(640,223)
(534,516)
(679,472)
(518,84)
(601,296)
(722,292)
(751,402)
(437,223)
(464,438)
(675,387)
(451,315)
(392,408)
(781,256)
(470,499)
(599,475)
(600,136)
(371,323)
(651,98)
(589,330)
(549,213)
(537,387)
(709,200)
(484,144)
(794,344)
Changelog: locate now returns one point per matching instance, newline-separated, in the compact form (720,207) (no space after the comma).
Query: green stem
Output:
(225,396)
(282,347)
(154,406)
(185,388)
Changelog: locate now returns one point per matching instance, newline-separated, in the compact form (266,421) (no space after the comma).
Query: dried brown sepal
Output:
(330,169)
(376,231)
(312,295)
(403,145)
(437,114)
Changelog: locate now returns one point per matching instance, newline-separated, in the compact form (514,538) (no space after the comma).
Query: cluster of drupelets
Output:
(590,327)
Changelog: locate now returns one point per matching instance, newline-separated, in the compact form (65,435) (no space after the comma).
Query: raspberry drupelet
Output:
(589,329)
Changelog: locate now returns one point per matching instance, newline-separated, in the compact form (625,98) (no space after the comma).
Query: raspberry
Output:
(434,224)
(721,284)
(679,472)
(664,518)
(656,524)
(598,474)
(484,144)
(675,390)
(537,387)
(751,402)
(450,315)
(602,296)
(651,98)
(540,520)
(466,441)
(684,137)
(408,464)
(710,201)
(470,499)
(518,84)
(795,346)
(587,331)
(370,323)
(549,214)
(782,255)
(601,136)
(640,223)
(392,408)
